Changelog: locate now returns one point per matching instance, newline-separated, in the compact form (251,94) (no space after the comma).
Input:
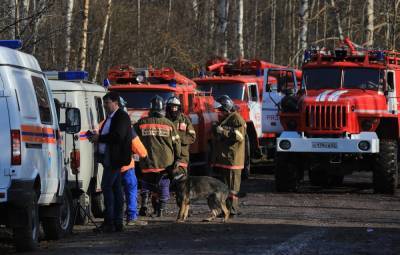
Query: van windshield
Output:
(233,90)
(140,99)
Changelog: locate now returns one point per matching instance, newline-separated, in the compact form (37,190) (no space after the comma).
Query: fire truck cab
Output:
(243,81)
(344,119)
(139,85)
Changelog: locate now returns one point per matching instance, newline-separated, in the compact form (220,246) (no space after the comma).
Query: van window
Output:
(99,109)
(23,85)
(42,100)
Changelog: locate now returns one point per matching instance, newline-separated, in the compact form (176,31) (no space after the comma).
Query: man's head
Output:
(224,104)
(156,104)
(111,102)
(173,107)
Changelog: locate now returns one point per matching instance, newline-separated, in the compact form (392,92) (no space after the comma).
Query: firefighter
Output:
(229,148)
(162,142)
(185,130)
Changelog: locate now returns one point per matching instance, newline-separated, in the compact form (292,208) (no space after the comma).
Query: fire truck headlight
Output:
(292,125)
(285,144)
(140,78)
(364,145)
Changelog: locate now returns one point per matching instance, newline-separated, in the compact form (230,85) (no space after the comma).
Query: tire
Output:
(27,238)
(97,204)
(385,173)
(61,225)
(287,173)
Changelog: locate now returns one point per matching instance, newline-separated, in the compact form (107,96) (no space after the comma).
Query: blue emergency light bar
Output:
(12,44)
(73,75)
(172,83)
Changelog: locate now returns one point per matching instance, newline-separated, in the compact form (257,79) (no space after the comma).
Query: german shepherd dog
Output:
(189,188)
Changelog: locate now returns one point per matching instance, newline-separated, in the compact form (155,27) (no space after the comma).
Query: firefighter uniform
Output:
(159,136)
(229,157)
(187,136)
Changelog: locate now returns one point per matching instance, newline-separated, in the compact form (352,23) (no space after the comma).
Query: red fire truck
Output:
(139,85)
(242,80)
(345,118)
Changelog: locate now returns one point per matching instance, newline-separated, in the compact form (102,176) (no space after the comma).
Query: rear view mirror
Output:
(72,120)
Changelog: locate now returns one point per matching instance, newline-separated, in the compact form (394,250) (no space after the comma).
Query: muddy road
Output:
(345,220)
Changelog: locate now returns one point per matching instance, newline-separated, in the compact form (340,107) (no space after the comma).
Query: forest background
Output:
(94,35)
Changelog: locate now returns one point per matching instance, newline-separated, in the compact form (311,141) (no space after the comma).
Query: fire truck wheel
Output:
(61,223)
(385,174)
(26,238)
(97,203)
(287,173)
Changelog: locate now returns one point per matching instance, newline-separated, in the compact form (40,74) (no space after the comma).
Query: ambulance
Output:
(71,89)
(32,176)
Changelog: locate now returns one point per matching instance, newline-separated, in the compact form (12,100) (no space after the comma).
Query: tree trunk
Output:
(303,13)
(337,16)
(99,54)
(70,8)
(349,20)
(370,24)
(273,25)
(138,46)
(325,21)
(12,18)
(211,24)
(240,29)
(255,28)
(222,43)
(85,23)
(396,5)
(195,6)
(16,20)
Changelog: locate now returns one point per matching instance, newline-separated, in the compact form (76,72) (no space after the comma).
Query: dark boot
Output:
(143,211)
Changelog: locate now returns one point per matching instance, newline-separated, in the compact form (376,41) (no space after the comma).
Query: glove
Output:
(219,129)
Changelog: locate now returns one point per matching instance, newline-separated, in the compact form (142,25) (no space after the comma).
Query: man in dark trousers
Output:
(114,148)
(229,149)
(184,127)
(162,142)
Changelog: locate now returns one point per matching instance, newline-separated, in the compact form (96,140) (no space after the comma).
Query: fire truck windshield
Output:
(233,90)
(362,78)
(322,78)
(353,78)
(141,99)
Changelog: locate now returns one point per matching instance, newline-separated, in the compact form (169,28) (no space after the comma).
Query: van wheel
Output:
(385,174)
(97,204)
(27,238)
(61,225)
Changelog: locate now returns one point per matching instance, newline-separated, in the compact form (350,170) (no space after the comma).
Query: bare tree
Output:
(240,28)
(70,8)
(303,14)
(255,28)
(99,54)
(138,32)
(337,16)
(85,24)
(370,24)
(395,8)
(222,43)
(273,26)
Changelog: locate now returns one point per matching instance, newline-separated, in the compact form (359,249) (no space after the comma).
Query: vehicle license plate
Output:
(324,145)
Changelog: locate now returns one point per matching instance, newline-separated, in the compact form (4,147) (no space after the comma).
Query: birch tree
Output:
(303,14)
(240,29)
(221,42)
(70,8)
(100,49)
(273,26)
(370,24)
(83,47)
(337,17)
(138,32)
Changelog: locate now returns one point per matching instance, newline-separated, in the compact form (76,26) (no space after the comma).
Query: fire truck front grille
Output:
(325,117)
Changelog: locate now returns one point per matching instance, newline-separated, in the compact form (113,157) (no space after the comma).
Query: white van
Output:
(70,89)
(32,176)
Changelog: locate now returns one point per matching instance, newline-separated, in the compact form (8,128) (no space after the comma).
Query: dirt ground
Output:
(345,220)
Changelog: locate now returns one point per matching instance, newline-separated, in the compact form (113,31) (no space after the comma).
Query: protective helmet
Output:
(173,101)
(157,104)
(225,103)
(173,114)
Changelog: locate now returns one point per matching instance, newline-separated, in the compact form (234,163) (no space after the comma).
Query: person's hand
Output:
(219,130)
(94,137)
